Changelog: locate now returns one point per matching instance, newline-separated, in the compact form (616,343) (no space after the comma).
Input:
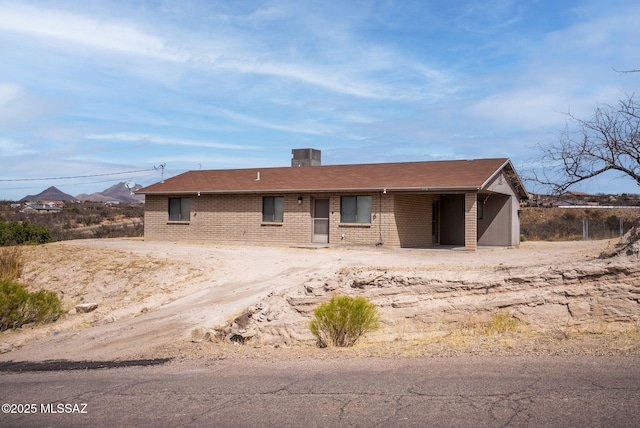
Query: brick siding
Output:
(471,221)
(413,216)
(396,220)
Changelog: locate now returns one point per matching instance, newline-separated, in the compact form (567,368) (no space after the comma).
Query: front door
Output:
(321,221)
(452,219)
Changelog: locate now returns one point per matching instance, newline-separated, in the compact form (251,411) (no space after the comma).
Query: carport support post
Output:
(471,221)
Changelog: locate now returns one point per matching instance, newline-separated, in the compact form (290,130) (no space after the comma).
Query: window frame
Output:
(184,210)
(275,207)
(363,203)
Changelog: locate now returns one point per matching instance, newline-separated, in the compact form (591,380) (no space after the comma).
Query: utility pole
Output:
(161,168)
(585,229)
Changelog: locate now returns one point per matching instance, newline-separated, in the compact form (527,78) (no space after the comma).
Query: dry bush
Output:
(343,320)
(501,322)
(19,306)
(10,262)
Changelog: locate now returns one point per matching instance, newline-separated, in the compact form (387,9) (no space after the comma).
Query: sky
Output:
(93,93)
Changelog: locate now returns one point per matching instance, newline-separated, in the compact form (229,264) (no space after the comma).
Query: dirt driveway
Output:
(150,295)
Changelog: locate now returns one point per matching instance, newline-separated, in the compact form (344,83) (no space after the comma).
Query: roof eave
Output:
(328,190)
(518,184)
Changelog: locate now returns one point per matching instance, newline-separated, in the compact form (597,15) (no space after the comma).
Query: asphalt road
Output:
(425,392)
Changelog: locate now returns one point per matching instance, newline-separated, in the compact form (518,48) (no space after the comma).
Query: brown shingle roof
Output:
(433,175)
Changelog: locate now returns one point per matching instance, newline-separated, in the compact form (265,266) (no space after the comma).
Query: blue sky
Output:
(90,88)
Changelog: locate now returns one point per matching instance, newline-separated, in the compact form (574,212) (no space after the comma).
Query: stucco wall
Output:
(502,225)
(495,226)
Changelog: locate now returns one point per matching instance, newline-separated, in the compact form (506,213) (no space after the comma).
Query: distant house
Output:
(408,204)
(40,208)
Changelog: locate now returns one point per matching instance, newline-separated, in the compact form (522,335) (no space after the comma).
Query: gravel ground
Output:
(150,296)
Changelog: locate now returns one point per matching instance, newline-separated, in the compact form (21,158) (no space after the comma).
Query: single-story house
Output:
(40,208)
(466,203)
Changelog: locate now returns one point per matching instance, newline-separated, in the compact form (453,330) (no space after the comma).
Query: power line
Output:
(77,176)
(83,183)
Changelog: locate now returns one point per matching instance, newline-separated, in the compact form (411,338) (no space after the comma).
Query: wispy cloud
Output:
(125,38)
(304,74)
(83,30)
(12,148)
(8,93)
(19,107)
(309,127)
(601,43)
(161,140)
(489,16)
(190,162)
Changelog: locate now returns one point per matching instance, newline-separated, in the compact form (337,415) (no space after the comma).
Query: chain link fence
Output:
(572,224)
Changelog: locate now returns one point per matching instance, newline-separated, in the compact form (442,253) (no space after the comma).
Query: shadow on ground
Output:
(66,365)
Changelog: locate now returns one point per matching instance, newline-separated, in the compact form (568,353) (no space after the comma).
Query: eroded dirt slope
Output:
(152,295)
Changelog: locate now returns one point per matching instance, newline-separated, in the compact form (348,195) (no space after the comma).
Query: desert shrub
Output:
(19,306)
(501,322)
(10,262)
(343,320)
(118,230)
(17,233)
(71,221)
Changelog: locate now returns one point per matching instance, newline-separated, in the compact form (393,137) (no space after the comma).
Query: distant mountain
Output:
(116,193)
(51,194)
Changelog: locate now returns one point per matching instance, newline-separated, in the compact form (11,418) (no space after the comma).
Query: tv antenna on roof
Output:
(161,168)
(129,185)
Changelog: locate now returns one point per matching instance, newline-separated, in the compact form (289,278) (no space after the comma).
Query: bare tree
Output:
(608,141)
